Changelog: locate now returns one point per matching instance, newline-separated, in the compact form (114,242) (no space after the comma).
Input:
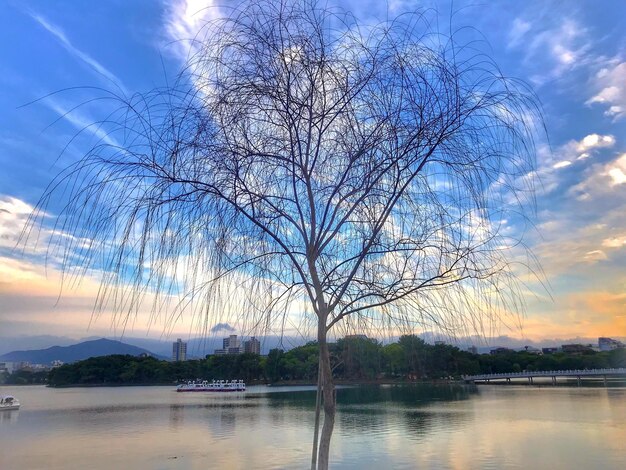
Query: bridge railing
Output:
(550,373)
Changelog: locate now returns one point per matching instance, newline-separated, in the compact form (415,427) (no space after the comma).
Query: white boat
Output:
(9,403)
(214,386)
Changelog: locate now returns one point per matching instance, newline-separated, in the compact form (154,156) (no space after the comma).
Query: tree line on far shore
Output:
(353,359)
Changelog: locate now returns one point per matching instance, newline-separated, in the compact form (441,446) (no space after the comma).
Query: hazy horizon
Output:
(199,346)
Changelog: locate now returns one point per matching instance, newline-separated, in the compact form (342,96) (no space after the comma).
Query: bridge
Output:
(579,375)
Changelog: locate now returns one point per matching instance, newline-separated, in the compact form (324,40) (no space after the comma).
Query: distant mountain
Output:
(75,352)
(23,342)
(161,348)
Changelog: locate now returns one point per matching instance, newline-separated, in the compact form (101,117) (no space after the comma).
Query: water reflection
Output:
(409,395)
(396,409)
(177,416)
(9,417)
(442,427)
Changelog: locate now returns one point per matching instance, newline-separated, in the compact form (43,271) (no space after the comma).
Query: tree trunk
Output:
(328,393)
(318,403)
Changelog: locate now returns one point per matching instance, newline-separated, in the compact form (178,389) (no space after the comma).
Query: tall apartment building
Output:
(179,350)
(230,345)
(253,346)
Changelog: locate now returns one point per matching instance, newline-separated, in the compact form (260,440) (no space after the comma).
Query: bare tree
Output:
(360,173)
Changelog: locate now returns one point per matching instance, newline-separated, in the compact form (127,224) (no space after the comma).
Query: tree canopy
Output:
(355,360)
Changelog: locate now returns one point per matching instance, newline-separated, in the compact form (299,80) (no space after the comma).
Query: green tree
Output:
(273,368)
(249,367)
(617,358)
(416,355)
(361,358)
(394,359)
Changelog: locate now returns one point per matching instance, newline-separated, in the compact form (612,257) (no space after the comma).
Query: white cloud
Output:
(550,161)
(60,35)
(80,121)
(518,31)
(14,214)
(615,111)
(555,47)
(602,179)
(186,25)
(13,207)
(578,150)
(575,150)
(26,234)
(617,175)
(617,171)
(580,235)
(595,256)
(611,83)
(594,141)
(184,22)
(615,242)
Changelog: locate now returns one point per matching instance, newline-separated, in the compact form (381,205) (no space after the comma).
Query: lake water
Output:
(431,427)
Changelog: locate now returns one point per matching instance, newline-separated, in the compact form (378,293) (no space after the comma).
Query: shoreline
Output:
(301,383)
(282,383)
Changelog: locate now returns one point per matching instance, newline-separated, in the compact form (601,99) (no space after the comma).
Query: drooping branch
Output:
(306,163)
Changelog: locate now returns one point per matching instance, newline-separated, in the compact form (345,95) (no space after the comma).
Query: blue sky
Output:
(573,53)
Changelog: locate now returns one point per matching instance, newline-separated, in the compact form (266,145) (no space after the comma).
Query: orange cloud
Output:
(586,314)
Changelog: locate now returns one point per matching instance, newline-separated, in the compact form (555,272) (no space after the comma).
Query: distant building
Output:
(230,345)
(57,363)
(532,350)
(549,350)
(179,350)
(21,365)
(10,367)
(440,343)
(609,344)
(253,346)
(356,337)
(500,351)
(576,348)
(472,349)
